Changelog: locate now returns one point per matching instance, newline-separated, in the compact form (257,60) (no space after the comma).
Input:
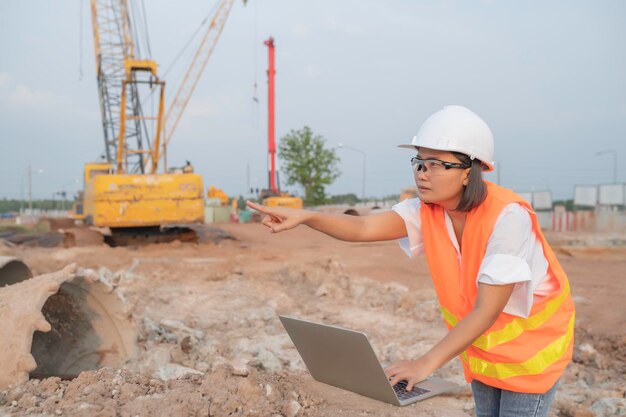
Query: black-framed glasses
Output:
(434,166)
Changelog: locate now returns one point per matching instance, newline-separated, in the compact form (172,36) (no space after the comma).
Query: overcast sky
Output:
(548,77)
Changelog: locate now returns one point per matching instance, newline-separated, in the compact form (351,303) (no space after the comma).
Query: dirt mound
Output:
(82,237)
(106,392)
(235,320)
(56,223)
(593,383)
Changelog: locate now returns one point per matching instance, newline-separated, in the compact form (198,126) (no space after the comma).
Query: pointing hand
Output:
(280,218)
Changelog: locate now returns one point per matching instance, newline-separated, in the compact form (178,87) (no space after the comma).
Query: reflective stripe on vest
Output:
(533,366)
(516,326)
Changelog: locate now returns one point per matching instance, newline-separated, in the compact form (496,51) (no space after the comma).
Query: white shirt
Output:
(513,254)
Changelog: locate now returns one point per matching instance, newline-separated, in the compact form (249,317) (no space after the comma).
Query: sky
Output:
(549,78)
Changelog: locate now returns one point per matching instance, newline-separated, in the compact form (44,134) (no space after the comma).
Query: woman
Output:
(502,292)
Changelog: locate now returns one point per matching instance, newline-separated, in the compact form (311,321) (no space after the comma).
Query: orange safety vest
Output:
(517,354)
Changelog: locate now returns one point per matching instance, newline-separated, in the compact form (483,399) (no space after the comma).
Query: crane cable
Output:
(255,96)
(80,40)
(202,23)
(184,48)
(145,25)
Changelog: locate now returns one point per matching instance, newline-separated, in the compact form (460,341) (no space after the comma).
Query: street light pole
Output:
(342,146)
(30,190)
(614,152)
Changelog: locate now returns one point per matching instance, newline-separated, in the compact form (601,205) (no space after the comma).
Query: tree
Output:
(306,162)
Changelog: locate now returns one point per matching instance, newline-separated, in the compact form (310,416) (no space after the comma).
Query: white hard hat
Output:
(456,129)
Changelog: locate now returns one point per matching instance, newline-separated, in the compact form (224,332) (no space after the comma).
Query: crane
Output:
(273,196)
(271,128)
(126,193)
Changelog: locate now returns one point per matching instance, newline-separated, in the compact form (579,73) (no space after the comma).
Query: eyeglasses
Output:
(434,166)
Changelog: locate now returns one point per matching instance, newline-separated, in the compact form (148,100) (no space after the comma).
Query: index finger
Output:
(258,207)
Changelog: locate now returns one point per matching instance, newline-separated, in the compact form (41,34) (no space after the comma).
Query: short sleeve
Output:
(507,258)
(409,210)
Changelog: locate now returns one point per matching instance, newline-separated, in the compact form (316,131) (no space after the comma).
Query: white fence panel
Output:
(611,195)
(586,195)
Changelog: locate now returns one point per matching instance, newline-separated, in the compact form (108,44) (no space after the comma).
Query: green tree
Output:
(307,162)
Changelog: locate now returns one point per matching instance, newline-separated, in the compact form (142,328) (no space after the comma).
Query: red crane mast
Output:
(271,72)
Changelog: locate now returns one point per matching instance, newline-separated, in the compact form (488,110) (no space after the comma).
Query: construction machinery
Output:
(218,194)
(272,196)
(126,193)
(407,193)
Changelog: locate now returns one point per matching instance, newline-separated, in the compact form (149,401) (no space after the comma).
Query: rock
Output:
(249,390)
(174,371)
(106,278)
(588,355)
(186,345)
(203,367)
(49,385)
(264,313)
(291,408)
(27,401)
(321,291)
(156,332)
(177,325)
(606,407)
(156,356)
(240,367)
(266,361)
(469,406)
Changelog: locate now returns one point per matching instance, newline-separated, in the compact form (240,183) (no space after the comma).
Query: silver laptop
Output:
(345,359)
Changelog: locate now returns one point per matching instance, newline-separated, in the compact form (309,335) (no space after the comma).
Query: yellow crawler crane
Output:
(127,194)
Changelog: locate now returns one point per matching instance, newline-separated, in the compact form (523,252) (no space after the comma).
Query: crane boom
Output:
(113,46)
(192,76)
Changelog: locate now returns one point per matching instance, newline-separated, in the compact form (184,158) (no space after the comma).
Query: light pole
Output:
(29,172)
(614,152)
(342,146)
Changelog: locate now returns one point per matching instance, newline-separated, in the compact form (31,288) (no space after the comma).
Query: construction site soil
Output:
(210,342)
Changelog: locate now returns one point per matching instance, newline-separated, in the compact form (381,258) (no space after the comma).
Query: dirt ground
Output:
(211,342)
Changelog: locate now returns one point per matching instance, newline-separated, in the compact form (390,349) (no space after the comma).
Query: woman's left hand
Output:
(412,372)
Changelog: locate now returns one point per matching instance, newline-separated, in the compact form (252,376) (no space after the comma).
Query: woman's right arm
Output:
(375,227)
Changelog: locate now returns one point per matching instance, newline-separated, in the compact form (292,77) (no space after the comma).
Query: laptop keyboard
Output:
(403,394)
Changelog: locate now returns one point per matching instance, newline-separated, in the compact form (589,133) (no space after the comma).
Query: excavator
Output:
(128,193)
(272,196)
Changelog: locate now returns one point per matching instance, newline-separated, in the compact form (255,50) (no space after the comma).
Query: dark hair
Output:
(475,191)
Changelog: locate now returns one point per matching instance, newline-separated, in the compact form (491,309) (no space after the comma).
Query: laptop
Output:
(345,359)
